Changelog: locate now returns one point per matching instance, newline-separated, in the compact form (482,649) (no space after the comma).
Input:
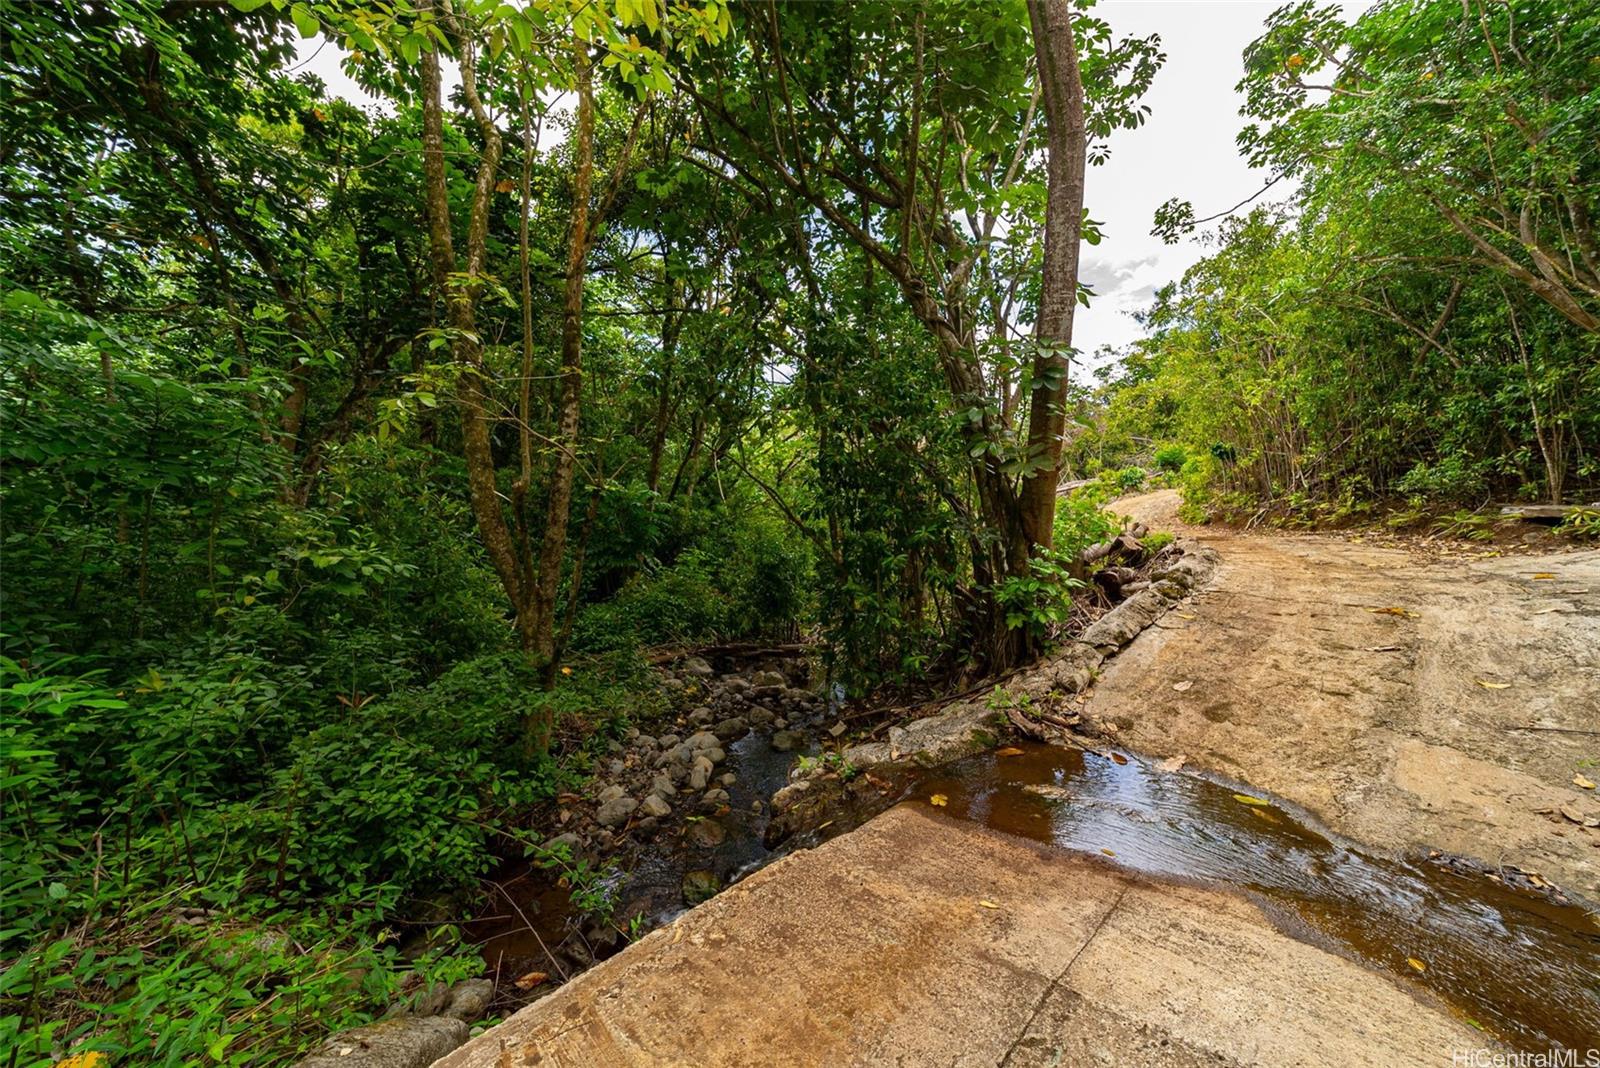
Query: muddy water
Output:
(1513,963)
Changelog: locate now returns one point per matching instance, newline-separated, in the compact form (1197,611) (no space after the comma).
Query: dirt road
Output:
(1406,701)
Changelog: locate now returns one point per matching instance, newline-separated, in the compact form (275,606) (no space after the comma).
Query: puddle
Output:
(1519,966)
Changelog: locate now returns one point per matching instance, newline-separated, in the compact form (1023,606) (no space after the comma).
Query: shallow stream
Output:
(1507,960)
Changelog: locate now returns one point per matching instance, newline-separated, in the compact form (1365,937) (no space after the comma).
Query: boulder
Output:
(697,667)
(731,728)
(470,999)
(758,716)
(700,773)
(399,1042)
(763,679)
(784,741)
(616,811)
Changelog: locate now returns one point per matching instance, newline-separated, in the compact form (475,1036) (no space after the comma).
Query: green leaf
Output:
(304,20)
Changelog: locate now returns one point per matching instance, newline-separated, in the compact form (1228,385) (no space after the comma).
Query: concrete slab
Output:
(921,940)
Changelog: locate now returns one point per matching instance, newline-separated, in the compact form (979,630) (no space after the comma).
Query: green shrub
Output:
(1171,458)
(1130,478)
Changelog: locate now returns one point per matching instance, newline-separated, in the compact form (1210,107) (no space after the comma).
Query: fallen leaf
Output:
(1184,615)
(1246,799)
(987,904)
(531,980)
(1545,575)
(1265,814)
(1493,685)
(92,1059)
(1572,814)
(838,729)
(1183,687)
(1008,751)
(1118,758)
(939,800)
(1172,764)
(1109,852)
(1417,964)
(1394,610)
(1383,648)
(1582,783)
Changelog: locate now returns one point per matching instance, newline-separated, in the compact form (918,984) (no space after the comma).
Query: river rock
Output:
(715,754)
(715,797)
(701,716)
(615,811)
(669,740)
(697,667)
(700,885)
(572,840)
(729,779)
(700,773)
(759,717)
(702,740)
(763,679)
(784,741)
(399,1042)
(616,768)
(610,793)
(790,795)
(654,806)
(662,786)
(646,741)
(731,728)
(706,833)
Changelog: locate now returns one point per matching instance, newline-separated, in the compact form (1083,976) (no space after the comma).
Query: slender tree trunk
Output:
(565,462)
(1065,142)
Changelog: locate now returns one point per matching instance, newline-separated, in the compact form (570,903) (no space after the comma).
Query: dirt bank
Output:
(1406,699)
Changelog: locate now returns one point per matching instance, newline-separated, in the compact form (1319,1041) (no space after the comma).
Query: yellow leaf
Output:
(1394,610)
(986,903)
(1543,575)
(1493,685)
(1417,964)
(1118,758)
(1008,751)
(1582,783)
(531,980)
(1109,852)
(939,799)
(1246,799)
(92,1059)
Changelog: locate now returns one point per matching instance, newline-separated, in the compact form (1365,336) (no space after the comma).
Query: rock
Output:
(759,717)
(669,740)
(960,730)
(572,840)
(699,886)
(615,811)
(610,793)
(787,797)
(707,834)
(654,806)
(696,667)
(731,728)
(702,740)
(470,999)
(728,779)
(616,768)
(778,723)
(700,773)
(646,741)
(662,786)
(399,1042)
(701,716)
(716,755)
(762,679)
(784,741)
(715,797)
(736,684)
(647,825)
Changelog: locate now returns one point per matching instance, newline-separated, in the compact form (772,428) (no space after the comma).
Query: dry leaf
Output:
(1172,764)
(1545,575)
(939,800)
(1183,687)
(1109,852)
(1246,799)
(531,980)
(837,729)
(1417,964)
(987,904)
(1572,814)
(1579,781)
(1493,685)
(1184,615)
(1383,648)
(1118,758)
(1394,610)
(1008,751)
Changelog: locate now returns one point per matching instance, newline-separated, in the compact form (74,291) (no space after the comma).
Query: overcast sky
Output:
(1186,150)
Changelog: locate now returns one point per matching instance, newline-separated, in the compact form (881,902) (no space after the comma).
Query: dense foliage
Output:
(1419,323)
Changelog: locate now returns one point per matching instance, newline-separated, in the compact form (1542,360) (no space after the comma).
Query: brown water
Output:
(1514,963)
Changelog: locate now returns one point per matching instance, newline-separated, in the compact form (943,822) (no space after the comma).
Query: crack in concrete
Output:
(1051,987)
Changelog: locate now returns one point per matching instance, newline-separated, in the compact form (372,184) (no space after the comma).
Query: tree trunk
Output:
(564,467)
(1064,139)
